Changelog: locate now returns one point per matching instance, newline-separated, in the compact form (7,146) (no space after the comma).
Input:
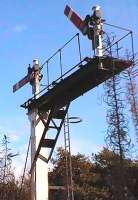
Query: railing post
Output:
(78,36)
(47,68)
(61,67)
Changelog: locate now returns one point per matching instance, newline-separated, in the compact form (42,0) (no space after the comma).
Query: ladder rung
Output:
(42,158)
(49,143)
(66,132)
(55,127)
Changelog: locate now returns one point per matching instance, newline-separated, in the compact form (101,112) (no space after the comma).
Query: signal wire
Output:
(124,29)
(24,171)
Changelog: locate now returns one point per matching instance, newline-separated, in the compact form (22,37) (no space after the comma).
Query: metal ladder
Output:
(69,180)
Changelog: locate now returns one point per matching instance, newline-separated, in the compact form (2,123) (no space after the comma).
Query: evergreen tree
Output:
(93,179)
(88,184)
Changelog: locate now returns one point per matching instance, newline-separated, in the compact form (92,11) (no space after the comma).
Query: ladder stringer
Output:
(45,142)
(58,131)
(42,137)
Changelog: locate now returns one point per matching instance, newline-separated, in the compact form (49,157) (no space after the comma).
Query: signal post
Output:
(39,174)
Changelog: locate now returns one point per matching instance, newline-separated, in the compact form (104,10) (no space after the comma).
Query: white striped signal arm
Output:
(75,19)
(22,82)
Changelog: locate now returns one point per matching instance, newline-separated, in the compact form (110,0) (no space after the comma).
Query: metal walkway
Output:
(88,75)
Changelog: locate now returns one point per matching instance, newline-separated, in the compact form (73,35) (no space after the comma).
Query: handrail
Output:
(51,85)
(117,41)
(54,54)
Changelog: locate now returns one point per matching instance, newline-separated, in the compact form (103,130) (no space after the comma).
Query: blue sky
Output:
(35,29)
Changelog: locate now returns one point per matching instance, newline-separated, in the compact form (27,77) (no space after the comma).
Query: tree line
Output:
(96,177)
(10,187)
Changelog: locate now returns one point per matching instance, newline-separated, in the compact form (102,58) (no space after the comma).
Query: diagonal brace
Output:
(42,138)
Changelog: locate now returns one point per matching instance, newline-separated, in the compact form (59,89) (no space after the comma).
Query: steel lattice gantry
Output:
(54,103)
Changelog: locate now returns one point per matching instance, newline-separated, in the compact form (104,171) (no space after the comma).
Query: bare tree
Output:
(117,135)
(7,179)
